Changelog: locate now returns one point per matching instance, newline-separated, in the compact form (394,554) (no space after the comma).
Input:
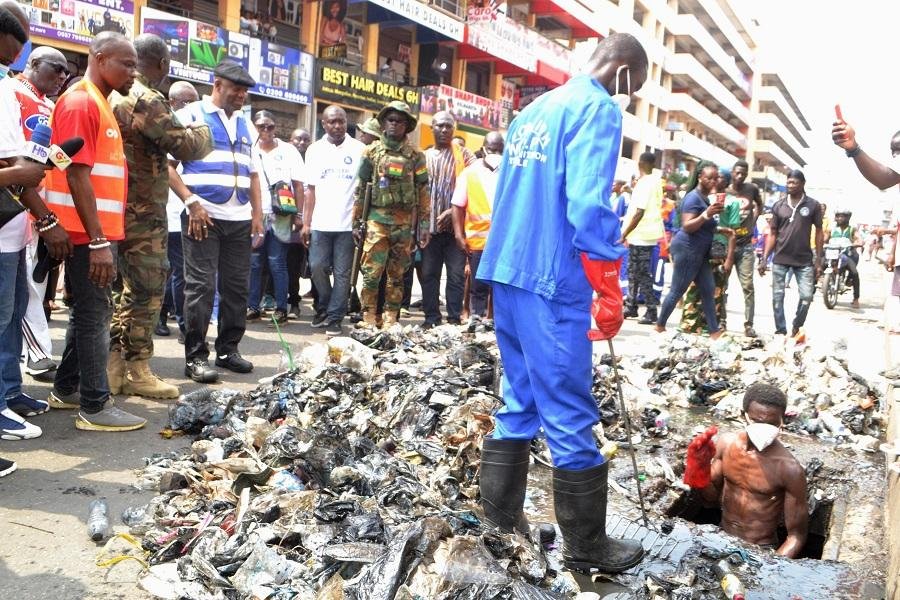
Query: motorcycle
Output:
(837,271)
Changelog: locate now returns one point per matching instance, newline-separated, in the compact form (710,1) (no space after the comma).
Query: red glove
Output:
(698,464)
(606,308)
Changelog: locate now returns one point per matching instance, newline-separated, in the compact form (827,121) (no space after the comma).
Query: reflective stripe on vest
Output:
(478,212)
(225,171)
(108,175)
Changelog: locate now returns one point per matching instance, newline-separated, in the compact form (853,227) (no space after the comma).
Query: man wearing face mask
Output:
(472,202)
(756,479)
(553,240)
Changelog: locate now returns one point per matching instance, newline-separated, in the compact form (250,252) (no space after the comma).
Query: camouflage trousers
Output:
(692,319)
(386,248)
(143,267)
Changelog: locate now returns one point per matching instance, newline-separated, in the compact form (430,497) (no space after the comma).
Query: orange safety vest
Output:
(478,212)
(108,175)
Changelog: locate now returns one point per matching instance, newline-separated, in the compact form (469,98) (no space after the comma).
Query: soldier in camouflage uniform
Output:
(400,204)
(150,131)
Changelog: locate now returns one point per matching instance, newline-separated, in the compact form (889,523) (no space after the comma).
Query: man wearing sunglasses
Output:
(151,132)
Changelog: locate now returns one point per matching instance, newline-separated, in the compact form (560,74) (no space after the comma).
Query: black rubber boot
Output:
(631,311)
(649,317)
(503,479)
(579,498)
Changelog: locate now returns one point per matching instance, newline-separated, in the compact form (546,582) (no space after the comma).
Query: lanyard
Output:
(794,208)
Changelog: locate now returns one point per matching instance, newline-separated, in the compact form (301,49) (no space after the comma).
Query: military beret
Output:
(235,73)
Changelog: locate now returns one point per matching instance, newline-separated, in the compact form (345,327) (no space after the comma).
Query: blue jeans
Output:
(690,265)
(805,277)
(332,251)
(13,302)
(441,250)
(546,375)
(275,252)
(173,302)
(83,364)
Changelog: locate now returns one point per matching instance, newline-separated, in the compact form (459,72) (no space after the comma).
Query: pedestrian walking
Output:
(298,255)
(446,161)
(89,198)
(691,246)
(751,207)
(331,168)
(222,196)
(794,219)
(151,133)
(553,239)
(399,216)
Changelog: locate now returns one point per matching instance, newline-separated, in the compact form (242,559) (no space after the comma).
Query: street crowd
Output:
(184,206)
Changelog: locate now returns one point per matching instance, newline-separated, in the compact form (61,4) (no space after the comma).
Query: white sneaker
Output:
(14,427)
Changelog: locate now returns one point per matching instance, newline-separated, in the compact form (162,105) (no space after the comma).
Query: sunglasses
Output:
(58,68)
(265,127)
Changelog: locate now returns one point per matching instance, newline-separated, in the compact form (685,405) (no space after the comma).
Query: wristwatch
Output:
(853,152)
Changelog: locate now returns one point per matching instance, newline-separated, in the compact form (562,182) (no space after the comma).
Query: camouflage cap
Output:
(371,126)
(401,107)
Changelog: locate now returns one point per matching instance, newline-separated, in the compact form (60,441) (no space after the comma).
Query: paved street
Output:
(43,506)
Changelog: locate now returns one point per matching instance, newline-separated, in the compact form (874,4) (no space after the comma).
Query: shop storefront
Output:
(475,115)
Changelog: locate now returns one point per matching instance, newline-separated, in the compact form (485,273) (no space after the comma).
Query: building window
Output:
(455,7)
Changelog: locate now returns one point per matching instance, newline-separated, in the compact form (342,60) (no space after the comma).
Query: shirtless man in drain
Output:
(757,481)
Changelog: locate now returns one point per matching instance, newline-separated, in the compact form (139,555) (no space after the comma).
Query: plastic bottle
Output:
(98,519)
(731,585)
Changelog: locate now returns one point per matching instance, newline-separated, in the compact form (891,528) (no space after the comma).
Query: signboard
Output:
(333,33)
(350,86)
(425,15)
(493,32)
(466,108)
(507,102)
(529,93)
(79,21)
(280,71)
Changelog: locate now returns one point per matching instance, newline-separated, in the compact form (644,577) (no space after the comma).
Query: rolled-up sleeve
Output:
(591,156)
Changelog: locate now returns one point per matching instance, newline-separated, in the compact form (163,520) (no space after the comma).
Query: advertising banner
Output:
(493,32)
(350,86)
(507,102)
(528,93)
(78,21)
(333,34)
(280,71)
(425,15)
(466,108)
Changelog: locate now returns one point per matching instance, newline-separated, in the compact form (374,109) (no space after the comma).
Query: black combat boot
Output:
(503,479)
(579,498)
(631,310)
(649,317)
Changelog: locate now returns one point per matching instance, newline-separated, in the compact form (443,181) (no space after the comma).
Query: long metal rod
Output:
(637,480)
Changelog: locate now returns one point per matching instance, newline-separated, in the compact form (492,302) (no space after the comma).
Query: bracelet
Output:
(46,228)
(854,152)
(194,198)
(99,245)
(50,217)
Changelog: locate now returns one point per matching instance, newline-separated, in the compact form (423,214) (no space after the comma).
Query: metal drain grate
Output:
(655,543)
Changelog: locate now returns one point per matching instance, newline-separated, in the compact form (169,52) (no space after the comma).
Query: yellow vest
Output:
(478,212)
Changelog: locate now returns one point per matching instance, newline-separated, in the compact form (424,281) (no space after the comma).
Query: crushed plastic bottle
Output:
(98,519)
(731,585)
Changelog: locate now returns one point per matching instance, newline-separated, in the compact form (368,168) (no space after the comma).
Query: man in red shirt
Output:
(89,198)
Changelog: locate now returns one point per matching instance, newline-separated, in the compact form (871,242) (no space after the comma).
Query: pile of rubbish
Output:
(825,398)
(353,476)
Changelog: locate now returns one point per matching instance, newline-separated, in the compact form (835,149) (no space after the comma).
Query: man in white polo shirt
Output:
(331,167)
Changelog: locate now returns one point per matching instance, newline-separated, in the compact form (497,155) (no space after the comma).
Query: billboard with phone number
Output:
(78,21)
(280,71)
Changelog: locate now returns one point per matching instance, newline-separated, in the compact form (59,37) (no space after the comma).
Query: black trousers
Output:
(221,260)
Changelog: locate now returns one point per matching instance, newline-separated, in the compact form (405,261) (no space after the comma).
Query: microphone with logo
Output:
(40,150)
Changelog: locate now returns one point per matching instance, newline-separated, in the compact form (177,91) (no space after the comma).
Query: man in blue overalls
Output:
(553,239)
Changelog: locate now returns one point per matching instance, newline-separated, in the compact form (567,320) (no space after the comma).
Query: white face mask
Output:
(761,434)
(623,99)
(492,160)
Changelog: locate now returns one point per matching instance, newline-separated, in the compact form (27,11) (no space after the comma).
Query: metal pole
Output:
(627,418)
